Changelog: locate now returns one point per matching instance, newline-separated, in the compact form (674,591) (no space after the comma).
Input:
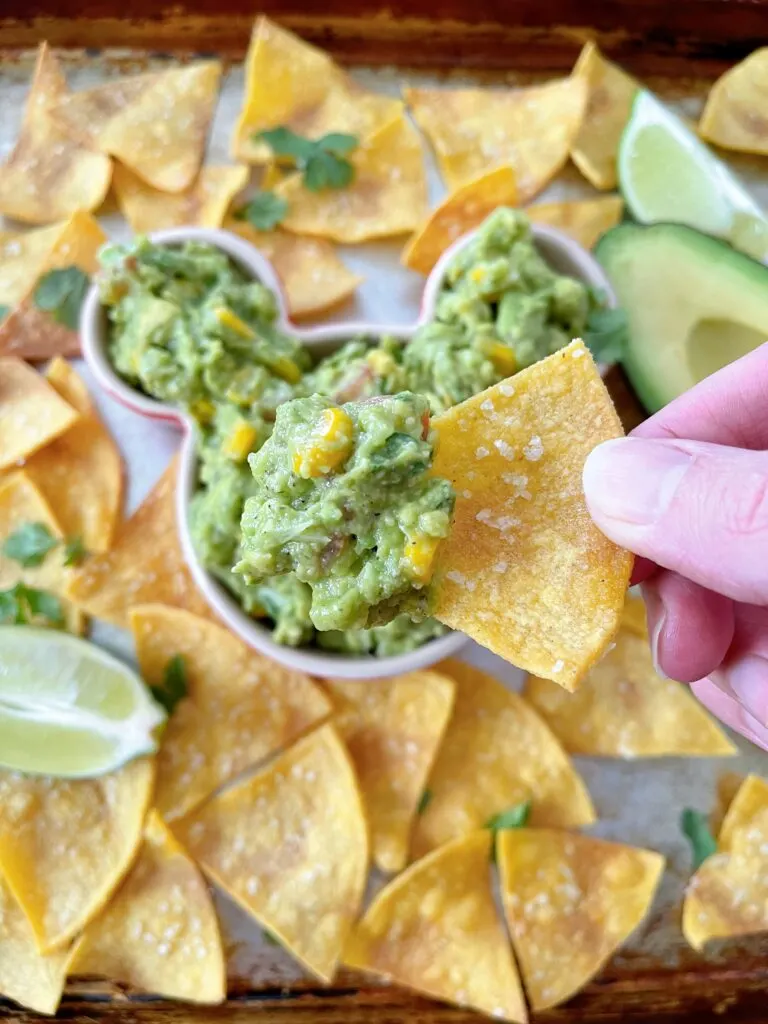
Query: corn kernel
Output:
(380,362)
(330,445)
(229,319)
(203,411)
(420,556)
(286,369)
(477,275)
(240,441)
(502,356)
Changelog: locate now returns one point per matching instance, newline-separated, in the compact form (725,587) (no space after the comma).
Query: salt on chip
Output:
(464,209)
(728,895)
(734,115)
(530,130)
(240,706)
(32,413)
(290,846)
(203,204)
(388,195)
(496,753)
(159,932)
(144,564)
(525,571)
(392,729)
(47,175)
(610,92)
(290,83)
(584,220)
(570,901)
(156,124)
(66,844)
(313,277)
(435,929)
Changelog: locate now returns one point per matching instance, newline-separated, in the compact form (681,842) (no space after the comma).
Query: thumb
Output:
(699,509)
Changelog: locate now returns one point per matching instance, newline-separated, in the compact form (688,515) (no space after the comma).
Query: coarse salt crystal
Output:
(481,452)
(504,449)
(558,666)
(461,580)
(507,390)
(534,449)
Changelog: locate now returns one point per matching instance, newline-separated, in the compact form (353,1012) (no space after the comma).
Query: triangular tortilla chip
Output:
(290,83)
(393,728)
(728,895)
(610,92)
(633,617)
(48,176)
(204,204)
(388,195)
(80,474)
(525,571)
(459,212)
(734,114)
(728,785)
(159,932)
(145,563)
(32,414)
(571,901)
(496,753)
(313,277)
(290,845)
(584,220)
(530,130)
(156,124)
(435,929)
(65,845)
(241,707)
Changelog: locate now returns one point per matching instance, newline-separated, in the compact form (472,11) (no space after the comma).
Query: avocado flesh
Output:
(693,305)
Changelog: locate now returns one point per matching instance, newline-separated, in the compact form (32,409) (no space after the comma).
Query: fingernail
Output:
(747,681)
(657,618)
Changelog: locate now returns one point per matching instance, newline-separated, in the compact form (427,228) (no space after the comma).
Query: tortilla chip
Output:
(66,844)
(728,895)
(458,213)
(496,753)
(530,130)
(31,412)
(204,204)
(290,845)
(623,708)
(290,83)
(159,933)
(633,617)
(156,124)
(570,901)
(435,929)
(728,785)
(241,707)
(525,571)
(313,277)
(584,220)
(145,563)
(388,195)
(610,93)
(393,728)
(734,115)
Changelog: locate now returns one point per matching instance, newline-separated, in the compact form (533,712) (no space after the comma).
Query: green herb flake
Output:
(21,605)
(174,687)
(74,551)
(29,544)
(695,826)
(606,335)
(322,161)
(264,212)
(513,817)
(61,293)
(425,801)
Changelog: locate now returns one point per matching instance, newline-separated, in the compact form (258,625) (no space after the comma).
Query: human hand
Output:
(688,493)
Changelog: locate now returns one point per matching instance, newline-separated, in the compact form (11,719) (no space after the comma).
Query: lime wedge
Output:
(666,173)
(69,709)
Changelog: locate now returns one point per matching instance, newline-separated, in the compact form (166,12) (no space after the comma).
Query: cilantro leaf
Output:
(4,311)
(322,161)
(425,801)
(269,938)
(20,604)
(286,144)
(514,817)
(174,687)
(61,293)
(74,551)
(326,170)
(29,544)
(695,826)
(265,211)
(606,335)
(10,608)
(338,143)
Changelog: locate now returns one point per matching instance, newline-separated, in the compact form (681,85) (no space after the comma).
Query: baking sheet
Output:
(637,802)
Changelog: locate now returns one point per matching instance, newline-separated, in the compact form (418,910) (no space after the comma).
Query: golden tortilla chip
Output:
(525,571)
(204,204)
(530,130)
(313,277)
(436,930)
(583,220)
(290,83)
(31,412)
(241,707)
(496,753)
(47,176)
(290,845)
(459,212)
(610,92)
(66,844)
(734,115)
(623,708)
(159,932)
(80,474)
(145,563)
(728,785)
(633,617)
(570,901)
(388,195)
(156,124)
(728,895)
(393,729)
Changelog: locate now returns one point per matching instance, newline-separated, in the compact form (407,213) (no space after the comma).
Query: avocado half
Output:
(693,304)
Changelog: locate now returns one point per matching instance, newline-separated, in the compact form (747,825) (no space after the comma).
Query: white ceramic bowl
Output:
(563,254)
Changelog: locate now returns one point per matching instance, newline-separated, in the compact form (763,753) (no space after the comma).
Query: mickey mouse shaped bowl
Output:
(563,254)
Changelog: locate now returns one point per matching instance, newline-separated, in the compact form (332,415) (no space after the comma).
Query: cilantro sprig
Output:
(425,801)
(264,212)
(74,551)
(61,293)
(29,544)
(174,687)
(513,817)
(695,826)
(322,161)
(21,605)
